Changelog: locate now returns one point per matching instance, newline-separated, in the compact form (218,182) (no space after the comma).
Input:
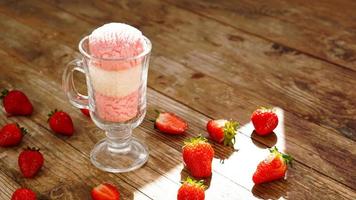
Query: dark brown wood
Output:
(194,78)
(322,29)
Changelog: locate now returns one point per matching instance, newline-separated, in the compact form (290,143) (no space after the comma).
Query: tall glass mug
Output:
(117,103)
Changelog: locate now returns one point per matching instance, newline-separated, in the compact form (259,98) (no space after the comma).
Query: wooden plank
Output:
(323,29)
(161,80)
(347,192)
(7,185)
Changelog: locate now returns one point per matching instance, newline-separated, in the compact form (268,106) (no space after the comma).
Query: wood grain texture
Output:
(41,38)
(242,172)
(7,185)
(162,78)
(323,29)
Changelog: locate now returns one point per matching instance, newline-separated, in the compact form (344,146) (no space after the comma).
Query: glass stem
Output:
(119,141)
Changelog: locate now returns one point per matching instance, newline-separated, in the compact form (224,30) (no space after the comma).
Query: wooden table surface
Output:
(211,59)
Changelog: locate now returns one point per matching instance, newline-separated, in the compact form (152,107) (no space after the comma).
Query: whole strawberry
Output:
(85,112)
(170,123)
(197,156)
(23,194)
(105,191)
(274,167)
(11,135)
(61,123)
(16,103)
(191,190)
(222,131)
(30,162)
(264,120)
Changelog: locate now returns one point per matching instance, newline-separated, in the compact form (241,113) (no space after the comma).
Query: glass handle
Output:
(75,98)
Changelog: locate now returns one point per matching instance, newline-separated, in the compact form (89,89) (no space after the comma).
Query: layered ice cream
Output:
(115,75)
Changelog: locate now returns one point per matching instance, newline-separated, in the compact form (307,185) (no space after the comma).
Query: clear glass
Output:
(117,103)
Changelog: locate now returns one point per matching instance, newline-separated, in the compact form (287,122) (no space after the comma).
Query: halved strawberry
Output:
(222,131)
(170,123)
(105,191)
(274,167)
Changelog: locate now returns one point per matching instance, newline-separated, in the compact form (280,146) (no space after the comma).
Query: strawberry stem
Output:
(196,183)
(267,109)
(154,120)
(195,140)
(4,92)
(32,148)
(286,158)
(23,130)
(157,111)
(51,113)
(230,129)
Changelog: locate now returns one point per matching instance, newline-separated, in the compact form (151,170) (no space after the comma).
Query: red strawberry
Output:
(11,135)
(105,191)
(30,162)
(85,112)
(170,123)
(23,194)
(264,120)
(191,190)
(197,156)
(16,102)
(274,167)
(222,131)
(61,123)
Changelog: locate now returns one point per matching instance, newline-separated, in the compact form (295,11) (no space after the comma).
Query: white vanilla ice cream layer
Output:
(115,83)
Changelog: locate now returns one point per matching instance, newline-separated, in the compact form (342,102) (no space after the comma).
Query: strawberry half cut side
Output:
(170,123)
(274,167)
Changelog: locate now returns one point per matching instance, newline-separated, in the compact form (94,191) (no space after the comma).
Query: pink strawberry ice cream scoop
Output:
(115,72)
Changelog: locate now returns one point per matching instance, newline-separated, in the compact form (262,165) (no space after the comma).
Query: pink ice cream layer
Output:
(117,109)
(116,82)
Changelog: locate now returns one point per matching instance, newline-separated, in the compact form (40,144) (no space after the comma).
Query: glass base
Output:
(116,160)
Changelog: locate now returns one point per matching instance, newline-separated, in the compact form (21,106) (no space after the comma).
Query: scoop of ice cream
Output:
(115,41)
(115,78)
